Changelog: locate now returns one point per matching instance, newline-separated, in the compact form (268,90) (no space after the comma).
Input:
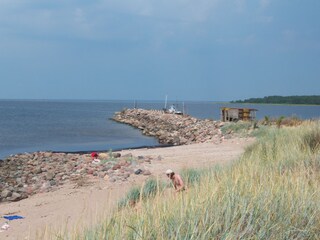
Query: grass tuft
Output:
(136,194)
(311,139)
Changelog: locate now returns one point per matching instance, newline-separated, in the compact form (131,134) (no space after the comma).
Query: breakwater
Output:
(171,128)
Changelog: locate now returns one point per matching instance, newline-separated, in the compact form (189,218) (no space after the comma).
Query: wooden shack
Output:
(236,114)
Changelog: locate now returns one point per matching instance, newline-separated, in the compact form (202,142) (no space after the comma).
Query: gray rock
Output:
(116,155)
(128,155)
(38,170)
(116,166)
(53,183)
(112,179)
(138,171)
(146,172)
(15,197)
(126,175)
(50,175)
(6,193)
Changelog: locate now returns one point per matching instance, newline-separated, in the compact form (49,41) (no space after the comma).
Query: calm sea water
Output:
(27,126)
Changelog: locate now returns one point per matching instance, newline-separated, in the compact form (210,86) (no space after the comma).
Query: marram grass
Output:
(271,192)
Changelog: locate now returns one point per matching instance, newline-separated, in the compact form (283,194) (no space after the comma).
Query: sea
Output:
(78,125)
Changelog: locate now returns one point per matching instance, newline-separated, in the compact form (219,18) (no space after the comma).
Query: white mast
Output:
(165,103)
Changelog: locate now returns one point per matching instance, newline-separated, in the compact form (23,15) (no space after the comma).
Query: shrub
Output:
(291,121)
(311,139)
(148,190)
(132,197)
(279,121)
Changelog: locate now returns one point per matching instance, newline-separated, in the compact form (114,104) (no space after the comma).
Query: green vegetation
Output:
(311,100)
(281,121)
(240,128)
(136,194)
(271,192)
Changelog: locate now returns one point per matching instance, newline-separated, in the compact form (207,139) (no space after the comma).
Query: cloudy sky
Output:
(212,50)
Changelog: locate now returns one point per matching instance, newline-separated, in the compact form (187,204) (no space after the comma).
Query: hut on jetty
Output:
(236,114)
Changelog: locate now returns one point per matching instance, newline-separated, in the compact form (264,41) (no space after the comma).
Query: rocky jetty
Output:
(171,128)
(26,174)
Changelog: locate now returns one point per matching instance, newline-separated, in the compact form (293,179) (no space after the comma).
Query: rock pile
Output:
(171,128)
(26,174)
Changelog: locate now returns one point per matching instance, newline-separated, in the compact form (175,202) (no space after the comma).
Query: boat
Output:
(173,110)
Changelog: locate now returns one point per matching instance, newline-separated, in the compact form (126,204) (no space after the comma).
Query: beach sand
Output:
(73,208)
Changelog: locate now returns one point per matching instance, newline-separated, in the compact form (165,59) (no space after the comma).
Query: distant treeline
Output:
(314,99)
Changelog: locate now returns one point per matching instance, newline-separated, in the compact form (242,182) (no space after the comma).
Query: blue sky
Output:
(213,50)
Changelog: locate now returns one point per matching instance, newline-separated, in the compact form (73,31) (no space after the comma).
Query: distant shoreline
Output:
(275,104)
(299,100)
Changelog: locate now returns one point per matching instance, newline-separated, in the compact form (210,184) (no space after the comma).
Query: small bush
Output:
(266,120)
(282,121)
(148,190)
(279,121)
(311,139)
(132,196)
(291,121)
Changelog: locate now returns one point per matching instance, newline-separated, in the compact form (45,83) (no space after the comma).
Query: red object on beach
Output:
(94,154)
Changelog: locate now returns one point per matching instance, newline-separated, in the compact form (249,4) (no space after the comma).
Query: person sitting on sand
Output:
(176,180)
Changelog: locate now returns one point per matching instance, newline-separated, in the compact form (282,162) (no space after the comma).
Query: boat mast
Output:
(183,112)
(165,103)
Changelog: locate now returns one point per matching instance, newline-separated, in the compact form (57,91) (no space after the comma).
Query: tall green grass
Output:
(271,192)
(148,190)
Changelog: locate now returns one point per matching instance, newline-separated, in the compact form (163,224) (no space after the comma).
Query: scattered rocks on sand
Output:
(26,174)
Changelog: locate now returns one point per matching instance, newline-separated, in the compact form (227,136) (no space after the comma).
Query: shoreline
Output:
(90,151)
(116,149)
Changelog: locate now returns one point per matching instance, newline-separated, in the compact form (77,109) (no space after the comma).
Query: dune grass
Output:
(271,192)
(137,194)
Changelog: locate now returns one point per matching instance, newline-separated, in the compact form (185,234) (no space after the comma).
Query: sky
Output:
(204,50)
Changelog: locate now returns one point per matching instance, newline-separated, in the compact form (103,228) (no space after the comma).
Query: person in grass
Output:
(176,180)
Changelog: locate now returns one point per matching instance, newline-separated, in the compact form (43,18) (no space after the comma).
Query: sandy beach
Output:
(73,208)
